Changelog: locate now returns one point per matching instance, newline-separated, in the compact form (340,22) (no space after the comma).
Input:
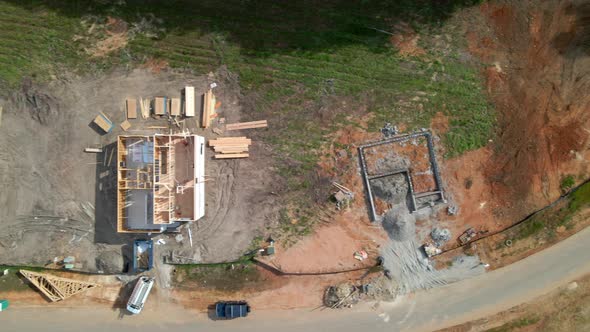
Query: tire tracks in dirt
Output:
(224,199)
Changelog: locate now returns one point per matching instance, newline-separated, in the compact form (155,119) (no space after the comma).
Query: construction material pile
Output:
(440,236)
(247,125)
(410,267)
(230,147)
(341,296)
(400,224)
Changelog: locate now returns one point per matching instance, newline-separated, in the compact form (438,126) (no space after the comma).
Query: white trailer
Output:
(140,294)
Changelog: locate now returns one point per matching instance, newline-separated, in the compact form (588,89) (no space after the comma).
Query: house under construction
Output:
(160,182)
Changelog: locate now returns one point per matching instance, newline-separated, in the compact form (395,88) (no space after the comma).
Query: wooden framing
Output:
(247,125)
(158,176)
(56,288)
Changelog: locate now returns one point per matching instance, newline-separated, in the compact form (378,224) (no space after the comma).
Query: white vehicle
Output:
(139,296)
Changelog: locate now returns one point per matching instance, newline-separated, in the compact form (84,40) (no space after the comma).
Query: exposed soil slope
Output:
(539,82)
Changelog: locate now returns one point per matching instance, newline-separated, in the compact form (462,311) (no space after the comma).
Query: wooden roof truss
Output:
(56,288)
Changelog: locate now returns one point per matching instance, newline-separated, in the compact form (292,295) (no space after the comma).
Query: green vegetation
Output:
(567,182)
(13,281)
(516,324)
(224,277)
(553,217)
(35,42)
(580,198)
(299,60)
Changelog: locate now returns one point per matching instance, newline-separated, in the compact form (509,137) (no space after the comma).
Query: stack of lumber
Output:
(131,108)
(189,101)
(247,125)
(230,147)
(175,106)
(208,108)
(144,105)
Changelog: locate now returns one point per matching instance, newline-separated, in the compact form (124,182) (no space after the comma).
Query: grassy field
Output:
(298,61)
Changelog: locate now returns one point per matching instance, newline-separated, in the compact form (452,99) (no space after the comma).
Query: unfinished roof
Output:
(160,182)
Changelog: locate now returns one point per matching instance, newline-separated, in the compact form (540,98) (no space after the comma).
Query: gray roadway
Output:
(424,311)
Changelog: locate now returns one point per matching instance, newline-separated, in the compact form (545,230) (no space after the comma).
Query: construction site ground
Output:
(536,72)
(58,198)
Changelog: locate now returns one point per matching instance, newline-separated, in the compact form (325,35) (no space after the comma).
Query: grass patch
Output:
(13,281)
(546,222)
(229,277)
(579,198)
(516,324)
(567,182)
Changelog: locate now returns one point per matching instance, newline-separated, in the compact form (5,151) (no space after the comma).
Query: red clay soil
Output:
(539,84)
(540,89)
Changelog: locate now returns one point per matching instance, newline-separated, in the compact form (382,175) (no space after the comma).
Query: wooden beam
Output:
(208,99)
(231,148)
(214,142)
(247,125)
(234,155)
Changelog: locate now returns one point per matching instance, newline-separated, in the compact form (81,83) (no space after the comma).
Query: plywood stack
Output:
(208,108)
(131,108)
(189,101)
(247,125)
(161,105)
(230,147)
(175,106)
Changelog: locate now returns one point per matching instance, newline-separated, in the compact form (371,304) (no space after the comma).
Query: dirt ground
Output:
(56,201)
(538,82)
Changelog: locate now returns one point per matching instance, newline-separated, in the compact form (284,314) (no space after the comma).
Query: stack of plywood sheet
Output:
(131,108)
(247,125)
(230,147)
(161,105)
(189,101)
(175,106)
(208,108)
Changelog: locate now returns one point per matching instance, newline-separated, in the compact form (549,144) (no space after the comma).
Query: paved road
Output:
(424,311)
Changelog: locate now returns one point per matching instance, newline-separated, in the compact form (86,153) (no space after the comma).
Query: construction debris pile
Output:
(345,295)
(400,224)
(341,296)
(440,236)
(343,196)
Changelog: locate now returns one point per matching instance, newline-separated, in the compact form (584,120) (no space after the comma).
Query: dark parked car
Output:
(231,309)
